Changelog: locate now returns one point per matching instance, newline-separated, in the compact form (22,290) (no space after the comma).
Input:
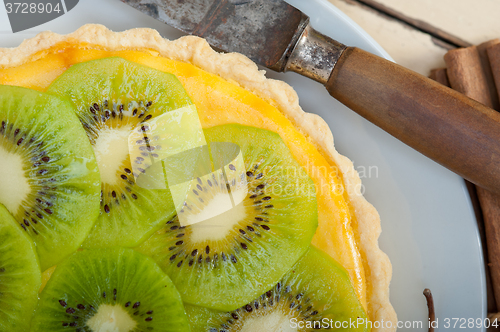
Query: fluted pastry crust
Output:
(241,70)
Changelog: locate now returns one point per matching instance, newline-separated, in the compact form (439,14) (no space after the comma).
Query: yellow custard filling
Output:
(222,102)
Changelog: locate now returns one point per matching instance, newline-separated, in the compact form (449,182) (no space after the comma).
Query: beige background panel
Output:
(408,47)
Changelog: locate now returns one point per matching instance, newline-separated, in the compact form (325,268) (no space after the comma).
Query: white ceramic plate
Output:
(429,229)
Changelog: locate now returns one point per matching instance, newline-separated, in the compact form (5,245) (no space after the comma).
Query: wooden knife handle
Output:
(446,126)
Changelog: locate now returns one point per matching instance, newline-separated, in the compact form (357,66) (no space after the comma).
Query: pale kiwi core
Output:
(14,186)
(218,227)
(111,149)
(111,318)
(274,321)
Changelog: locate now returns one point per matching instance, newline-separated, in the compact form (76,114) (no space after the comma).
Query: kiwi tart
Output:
(227,260)
(229,89)
(315,294)
(110,289)
(112,97)
(20,276)
(51,180)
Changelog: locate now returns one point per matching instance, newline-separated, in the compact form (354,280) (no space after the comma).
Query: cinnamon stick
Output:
(431,309)
(466,75)
(440,75)
(490,205)
(470,72)
(493,52)
(488,72)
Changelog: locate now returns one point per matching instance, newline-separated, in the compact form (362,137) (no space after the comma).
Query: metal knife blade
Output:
(263,30)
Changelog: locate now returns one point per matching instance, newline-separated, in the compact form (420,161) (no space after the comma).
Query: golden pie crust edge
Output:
(238,69)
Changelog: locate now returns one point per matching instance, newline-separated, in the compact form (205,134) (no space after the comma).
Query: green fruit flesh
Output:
(248,268)
(315,293)
(50,180)
(20,276)
(111,289)
(226,261)
(113,96)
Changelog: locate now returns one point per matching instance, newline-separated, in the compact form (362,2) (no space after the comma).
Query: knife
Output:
(444,125)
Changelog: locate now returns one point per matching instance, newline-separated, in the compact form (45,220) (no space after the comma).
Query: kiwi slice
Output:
(315,294)
(109,289)
(50,181)
(227,260)
(113,97)
(20,276)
